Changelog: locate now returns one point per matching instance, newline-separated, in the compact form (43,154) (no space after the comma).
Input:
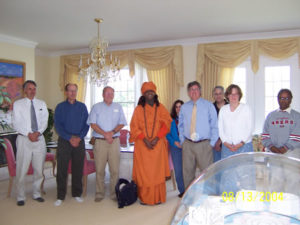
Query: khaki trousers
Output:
(29,152)
(103,153)
(195,155)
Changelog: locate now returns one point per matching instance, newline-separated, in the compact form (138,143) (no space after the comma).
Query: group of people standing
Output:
(193,132)
(72,122)
(202,134)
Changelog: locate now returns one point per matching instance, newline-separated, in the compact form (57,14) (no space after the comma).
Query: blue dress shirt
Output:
(107,117)
(70,120)
(206,121)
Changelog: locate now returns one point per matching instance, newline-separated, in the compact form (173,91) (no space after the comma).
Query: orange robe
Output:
(150,166)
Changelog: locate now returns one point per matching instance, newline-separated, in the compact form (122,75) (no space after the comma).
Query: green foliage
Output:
(4,106)
(5,100)
(48,133)
(2,143)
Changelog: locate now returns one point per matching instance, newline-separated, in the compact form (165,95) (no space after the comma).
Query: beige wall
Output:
(47,78)
(19,53)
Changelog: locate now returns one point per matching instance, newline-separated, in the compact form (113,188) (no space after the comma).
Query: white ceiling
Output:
(58,25)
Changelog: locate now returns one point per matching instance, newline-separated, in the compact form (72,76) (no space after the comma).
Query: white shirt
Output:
(286,110)
(235,126)
(21,115)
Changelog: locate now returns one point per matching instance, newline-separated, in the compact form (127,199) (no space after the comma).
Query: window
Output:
(127,91)
(239,78)
(276,78)
(261,88)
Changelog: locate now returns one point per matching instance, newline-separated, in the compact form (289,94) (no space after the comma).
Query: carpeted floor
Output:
(71,212)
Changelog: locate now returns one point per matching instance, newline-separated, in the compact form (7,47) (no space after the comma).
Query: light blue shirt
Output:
(206,121)
(107,117)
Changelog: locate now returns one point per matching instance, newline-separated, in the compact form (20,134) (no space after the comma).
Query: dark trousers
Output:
(65,153)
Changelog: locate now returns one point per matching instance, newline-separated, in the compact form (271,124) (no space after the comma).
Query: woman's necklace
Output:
(150,137)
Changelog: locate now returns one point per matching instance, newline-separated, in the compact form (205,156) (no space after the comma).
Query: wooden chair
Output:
(123,137)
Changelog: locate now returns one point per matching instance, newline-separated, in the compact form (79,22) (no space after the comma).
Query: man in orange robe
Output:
(149,126)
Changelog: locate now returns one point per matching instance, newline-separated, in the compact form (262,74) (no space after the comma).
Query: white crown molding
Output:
(17,41)
(187,41)
(40,52)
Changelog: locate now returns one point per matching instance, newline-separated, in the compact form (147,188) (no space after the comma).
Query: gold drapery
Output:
(214,60)
(162,59)
(70,75)
(165,78)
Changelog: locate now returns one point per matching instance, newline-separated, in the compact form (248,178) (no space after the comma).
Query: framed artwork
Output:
(12,77)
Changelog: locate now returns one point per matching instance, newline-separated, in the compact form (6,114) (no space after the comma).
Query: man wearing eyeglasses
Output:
(281,134)
(198,132)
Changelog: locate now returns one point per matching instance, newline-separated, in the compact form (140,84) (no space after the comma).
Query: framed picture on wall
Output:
(12,77)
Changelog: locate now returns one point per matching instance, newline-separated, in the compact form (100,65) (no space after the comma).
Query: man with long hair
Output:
(149,126)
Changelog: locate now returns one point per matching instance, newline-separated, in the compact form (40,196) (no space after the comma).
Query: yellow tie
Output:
(193,121)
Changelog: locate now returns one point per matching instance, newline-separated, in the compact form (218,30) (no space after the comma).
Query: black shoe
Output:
(20,203)
(180,195)
(39,199)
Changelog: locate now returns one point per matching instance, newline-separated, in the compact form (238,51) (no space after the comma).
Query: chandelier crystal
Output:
(98,70)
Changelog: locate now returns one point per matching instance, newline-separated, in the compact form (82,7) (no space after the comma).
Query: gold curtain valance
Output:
(231,54)
(150,58)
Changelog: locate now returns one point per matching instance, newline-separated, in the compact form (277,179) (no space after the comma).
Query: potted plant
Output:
(5,103)
(48,133)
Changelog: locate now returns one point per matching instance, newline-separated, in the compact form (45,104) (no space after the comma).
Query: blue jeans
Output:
(217,155)
(176,154)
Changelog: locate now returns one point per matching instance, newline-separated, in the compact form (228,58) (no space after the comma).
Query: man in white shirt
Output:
(30,120)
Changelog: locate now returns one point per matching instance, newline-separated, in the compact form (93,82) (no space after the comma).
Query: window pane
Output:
(124,87)
(239,78)
(276,78)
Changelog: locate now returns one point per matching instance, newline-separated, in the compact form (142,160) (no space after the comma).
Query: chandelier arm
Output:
(98,72)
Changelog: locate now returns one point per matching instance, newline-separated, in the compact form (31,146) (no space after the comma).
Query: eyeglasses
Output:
(283,98)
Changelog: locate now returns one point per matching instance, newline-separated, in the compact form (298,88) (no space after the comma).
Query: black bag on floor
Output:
(126,192)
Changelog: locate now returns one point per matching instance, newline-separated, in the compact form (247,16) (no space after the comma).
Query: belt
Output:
(196,141)
(104,138)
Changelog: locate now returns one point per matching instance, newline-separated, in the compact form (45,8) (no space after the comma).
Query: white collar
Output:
(286,110)
(29,99)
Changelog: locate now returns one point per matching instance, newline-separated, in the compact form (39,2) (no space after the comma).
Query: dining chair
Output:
(11,166)
(88,168)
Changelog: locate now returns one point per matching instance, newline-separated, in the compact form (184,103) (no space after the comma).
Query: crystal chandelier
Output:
(98,70)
